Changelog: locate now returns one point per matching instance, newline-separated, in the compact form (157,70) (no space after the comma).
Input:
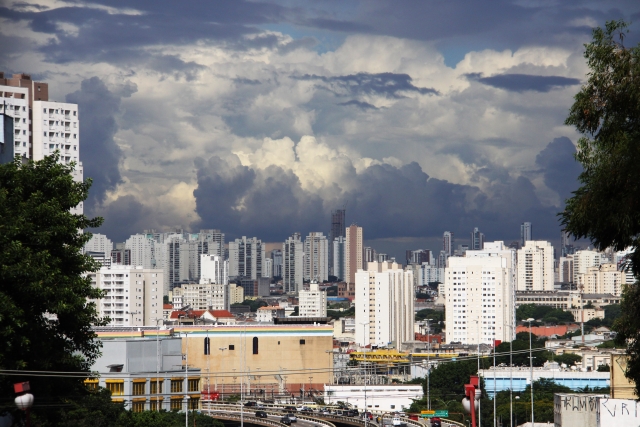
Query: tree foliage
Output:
(545,313)
(45,316)
(606,206)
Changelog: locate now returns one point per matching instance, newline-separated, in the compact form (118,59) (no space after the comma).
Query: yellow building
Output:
(267,360)
(621,387)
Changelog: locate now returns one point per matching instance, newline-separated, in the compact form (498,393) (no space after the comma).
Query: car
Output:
(250,404)
(367,415)
(290,408)
(292,417)
(285,420)
(261,414)
(435,422)
(325,412)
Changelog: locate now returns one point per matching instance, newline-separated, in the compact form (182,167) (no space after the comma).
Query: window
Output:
(138,388)
(156,385)
(91,384)
(255,345)
(232,347)
(116,387)
(194,403)
(302,342)
(138,406)
(153,405)
(194,384)
(176,404)
(176,386)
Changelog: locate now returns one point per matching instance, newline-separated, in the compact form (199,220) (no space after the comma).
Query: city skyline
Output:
(282,115)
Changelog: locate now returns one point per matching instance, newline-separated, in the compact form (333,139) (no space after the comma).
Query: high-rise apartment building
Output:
(525,233)
(142,247)
(99,243)
(603,279)
(479,289)
(316,252)
(276,258)
(337,230)
(312,303)
(354,252)
(133,294)
(447,243)
(369,254)
(536,266)
(384,298)
(565,269)
(583,260)
(477,240)
(292,264)
(419,256)
(246,258)
(339,258)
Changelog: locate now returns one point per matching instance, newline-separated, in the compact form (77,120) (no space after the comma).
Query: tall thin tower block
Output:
(337,230)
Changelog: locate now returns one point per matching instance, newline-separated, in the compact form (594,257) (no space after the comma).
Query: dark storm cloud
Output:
(270,203)
(390,85)
(559,167)
(99,152)
(524,82)
(386,200)
(125,216)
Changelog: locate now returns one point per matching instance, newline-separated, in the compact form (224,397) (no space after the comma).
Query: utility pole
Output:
(531,366)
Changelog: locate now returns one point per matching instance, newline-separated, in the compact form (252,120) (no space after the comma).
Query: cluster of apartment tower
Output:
(478,281)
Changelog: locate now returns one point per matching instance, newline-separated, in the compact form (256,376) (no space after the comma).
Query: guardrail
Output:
(256,420)
(269,411)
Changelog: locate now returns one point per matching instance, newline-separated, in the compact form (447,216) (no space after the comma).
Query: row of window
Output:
(116,387)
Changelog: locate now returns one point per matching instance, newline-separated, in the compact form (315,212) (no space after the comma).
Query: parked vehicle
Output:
(261,414)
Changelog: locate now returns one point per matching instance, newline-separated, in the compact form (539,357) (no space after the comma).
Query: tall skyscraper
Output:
(384,298)
(354,256)
(369,254)
(292,264)
(276,258)
(525,233)
(447,242)
(316,266)
(479,289)
(339,258)
(535,266)
(99,243)
(337,230)
(477,240)
(246,258)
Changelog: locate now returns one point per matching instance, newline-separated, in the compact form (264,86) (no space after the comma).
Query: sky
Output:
(259,118)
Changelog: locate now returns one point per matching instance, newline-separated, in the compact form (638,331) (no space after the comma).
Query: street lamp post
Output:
(428,363)
(158,364)
(364,329)
(531,367)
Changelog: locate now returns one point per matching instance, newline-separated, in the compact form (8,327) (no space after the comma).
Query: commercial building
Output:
(353,252)
(133,294)
(479,295)
(146,372)
(379,398)
(536,267)
(447,243)
(292,264)
(246,258)
(316,264)
(384,305)
(312,303)
(477,240)
(267,359)
(525,233)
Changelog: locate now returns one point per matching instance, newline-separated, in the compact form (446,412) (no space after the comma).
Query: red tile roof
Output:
(221,313)
(167,306)
(175,314)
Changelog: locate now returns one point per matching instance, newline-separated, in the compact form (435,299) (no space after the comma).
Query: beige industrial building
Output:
(266,359)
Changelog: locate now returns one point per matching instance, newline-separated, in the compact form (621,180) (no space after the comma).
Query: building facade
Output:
(354,252)
(292,264)
(536,267)
(479,296)
(603,279)
(312,303)
(316,262)
(384,300)
(246,258)
(133,294)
